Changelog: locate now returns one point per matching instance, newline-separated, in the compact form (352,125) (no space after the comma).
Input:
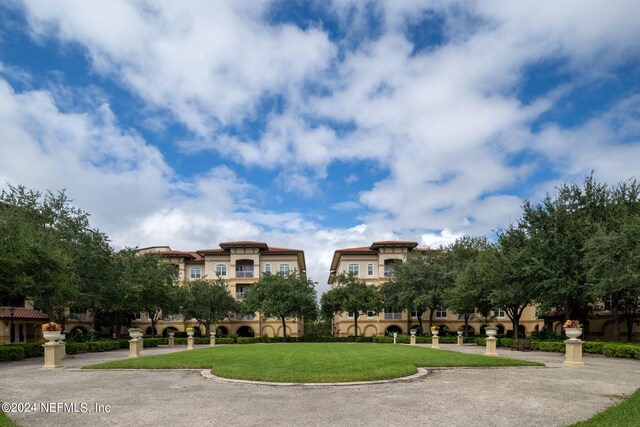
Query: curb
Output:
(206,373)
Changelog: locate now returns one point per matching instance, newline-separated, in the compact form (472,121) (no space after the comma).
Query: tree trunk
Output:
(466,324)
(616,321)
(355,321)
(207,328)
(284,326)
(431,313)
(420,322)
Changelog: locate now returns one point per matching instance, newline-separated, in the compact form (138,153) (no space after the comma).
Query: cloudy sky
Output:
(315,125)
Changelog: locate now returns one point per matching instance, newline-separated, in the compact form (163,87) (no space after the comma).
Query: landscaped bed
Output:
(312,362)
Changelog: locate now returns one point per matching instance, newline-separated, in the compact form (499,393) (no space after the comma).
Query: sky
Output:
(315,125)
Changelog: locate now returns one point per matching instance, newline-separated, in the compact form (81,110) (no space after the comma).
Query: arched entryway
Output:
(393,328)
(245,331)
(222,331)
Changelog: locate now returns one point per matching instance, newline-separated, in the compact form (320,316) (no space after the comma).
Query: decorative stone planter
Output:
(573,333)
(435,332)
(190,334)
(212,338)
(52,336)
(491,332)
(413,332)
(171,334)
(460,333)
(135,335)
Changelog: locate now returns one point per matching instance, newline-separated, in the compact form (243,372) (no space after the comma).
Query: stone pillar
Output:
(172,341)
(135,345)
(212,340)
(573,354)
(413,340)
(491,346)
(435,341)
(190,343)
(460,340)
(53,354)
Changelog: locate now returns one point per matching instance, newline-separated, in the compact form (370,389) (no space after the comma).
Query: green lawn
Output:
(5,421)
(625,414)
(312,362)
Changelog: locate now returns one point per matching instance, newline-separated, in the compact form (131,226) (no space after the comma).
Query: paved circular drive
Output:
(552,396)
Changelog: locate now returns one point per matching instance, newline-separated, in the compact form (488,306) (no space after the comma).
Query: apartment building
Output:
(239,264)
(373,265)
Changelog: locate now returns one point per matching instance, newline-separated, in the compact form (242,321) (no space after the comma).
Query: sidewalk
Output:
(551,396)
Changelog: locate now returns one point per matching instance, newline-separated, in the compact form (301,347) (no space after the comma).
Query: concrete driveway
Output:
(554,395)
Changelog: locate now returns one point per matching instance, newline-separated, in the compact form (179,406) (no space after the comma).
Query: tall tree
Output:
(558,229)
(511,270)
(613,262)
(419,283)
(468,293)
(282,295)
(207,302)
(351,296)
(159,293)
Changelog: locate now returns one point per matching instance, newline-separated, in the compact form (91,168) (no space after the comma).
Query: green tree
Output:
(351,296)
(159,292)
(282,295)
(468,293)
(613,262)
(419,283)
(207,302)
(511,270)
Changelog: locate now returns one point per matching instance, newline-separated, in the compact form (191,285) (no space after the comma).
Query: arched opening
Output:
(222,331)
(370,331)
(165,332)
(500,329)
(393,328)
(522,331)
(150,331)
(470,330)
(245,331)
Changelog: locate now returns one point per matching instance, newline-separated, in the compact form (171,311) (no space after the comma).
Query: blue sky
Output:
(315,125)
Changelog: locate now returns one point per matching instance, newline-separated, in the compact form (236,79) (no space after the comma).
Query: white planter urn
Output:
(491,332)
(435,332)
(573,333)
(190,333)
(135,335)
(52,336)
(212,334)
(171,334)
(460,333)
(413,332)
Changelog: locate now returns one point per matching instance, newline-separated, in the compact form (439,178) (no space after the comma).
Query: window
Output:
(195,273)
(241,292)
(284,268)
(414,313)
(500,313)
(176,273)
(369,269)
(371,313)
(392,314)
(441,313)
(351,314)
(221,270)
(354,269)
(267,268)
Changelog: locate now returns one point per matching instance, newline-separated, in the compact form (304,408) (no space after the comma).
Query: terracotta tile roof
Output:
(272,249)
(22,313)
(360,249)
(404,243)
(186,254)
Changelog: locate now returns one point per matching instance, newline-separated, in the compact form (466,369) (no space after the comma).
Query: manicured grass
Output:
(312,362)
(5,421)
(625,414)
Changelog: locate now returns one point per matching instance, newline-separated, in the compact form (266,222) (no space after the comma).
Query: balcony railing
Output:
(172,318)
(392,316)
(388,272)
(241,295)
(245,316)
(244,274)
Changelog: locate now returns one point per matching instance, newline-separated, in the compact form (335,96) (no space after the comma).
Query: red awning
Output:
(23,313)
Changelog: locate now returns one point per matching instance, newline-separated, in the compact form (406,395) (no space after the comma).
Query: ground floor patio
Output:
(554,395)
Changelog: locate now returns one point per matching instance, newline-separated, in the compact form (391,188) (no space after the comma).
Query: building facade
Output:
(19,322)
(373,265)
(239,265)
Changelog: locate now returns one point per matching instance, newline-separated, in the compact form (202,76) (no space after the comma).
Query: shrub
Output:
(225,341)
(248,340)
(630,351)
(592,347)
(548,346)
(545,334)
(11,352)
(33,350)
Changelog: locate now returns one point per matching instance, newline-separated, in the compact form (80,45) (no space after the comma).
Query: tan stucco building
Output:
(239,264)
(374,265)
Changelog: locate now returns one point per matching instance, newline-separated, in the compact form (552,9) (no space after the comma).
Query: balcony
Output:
(241,295)
(244,316)
(392,316)
(243,274)
(80,317)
